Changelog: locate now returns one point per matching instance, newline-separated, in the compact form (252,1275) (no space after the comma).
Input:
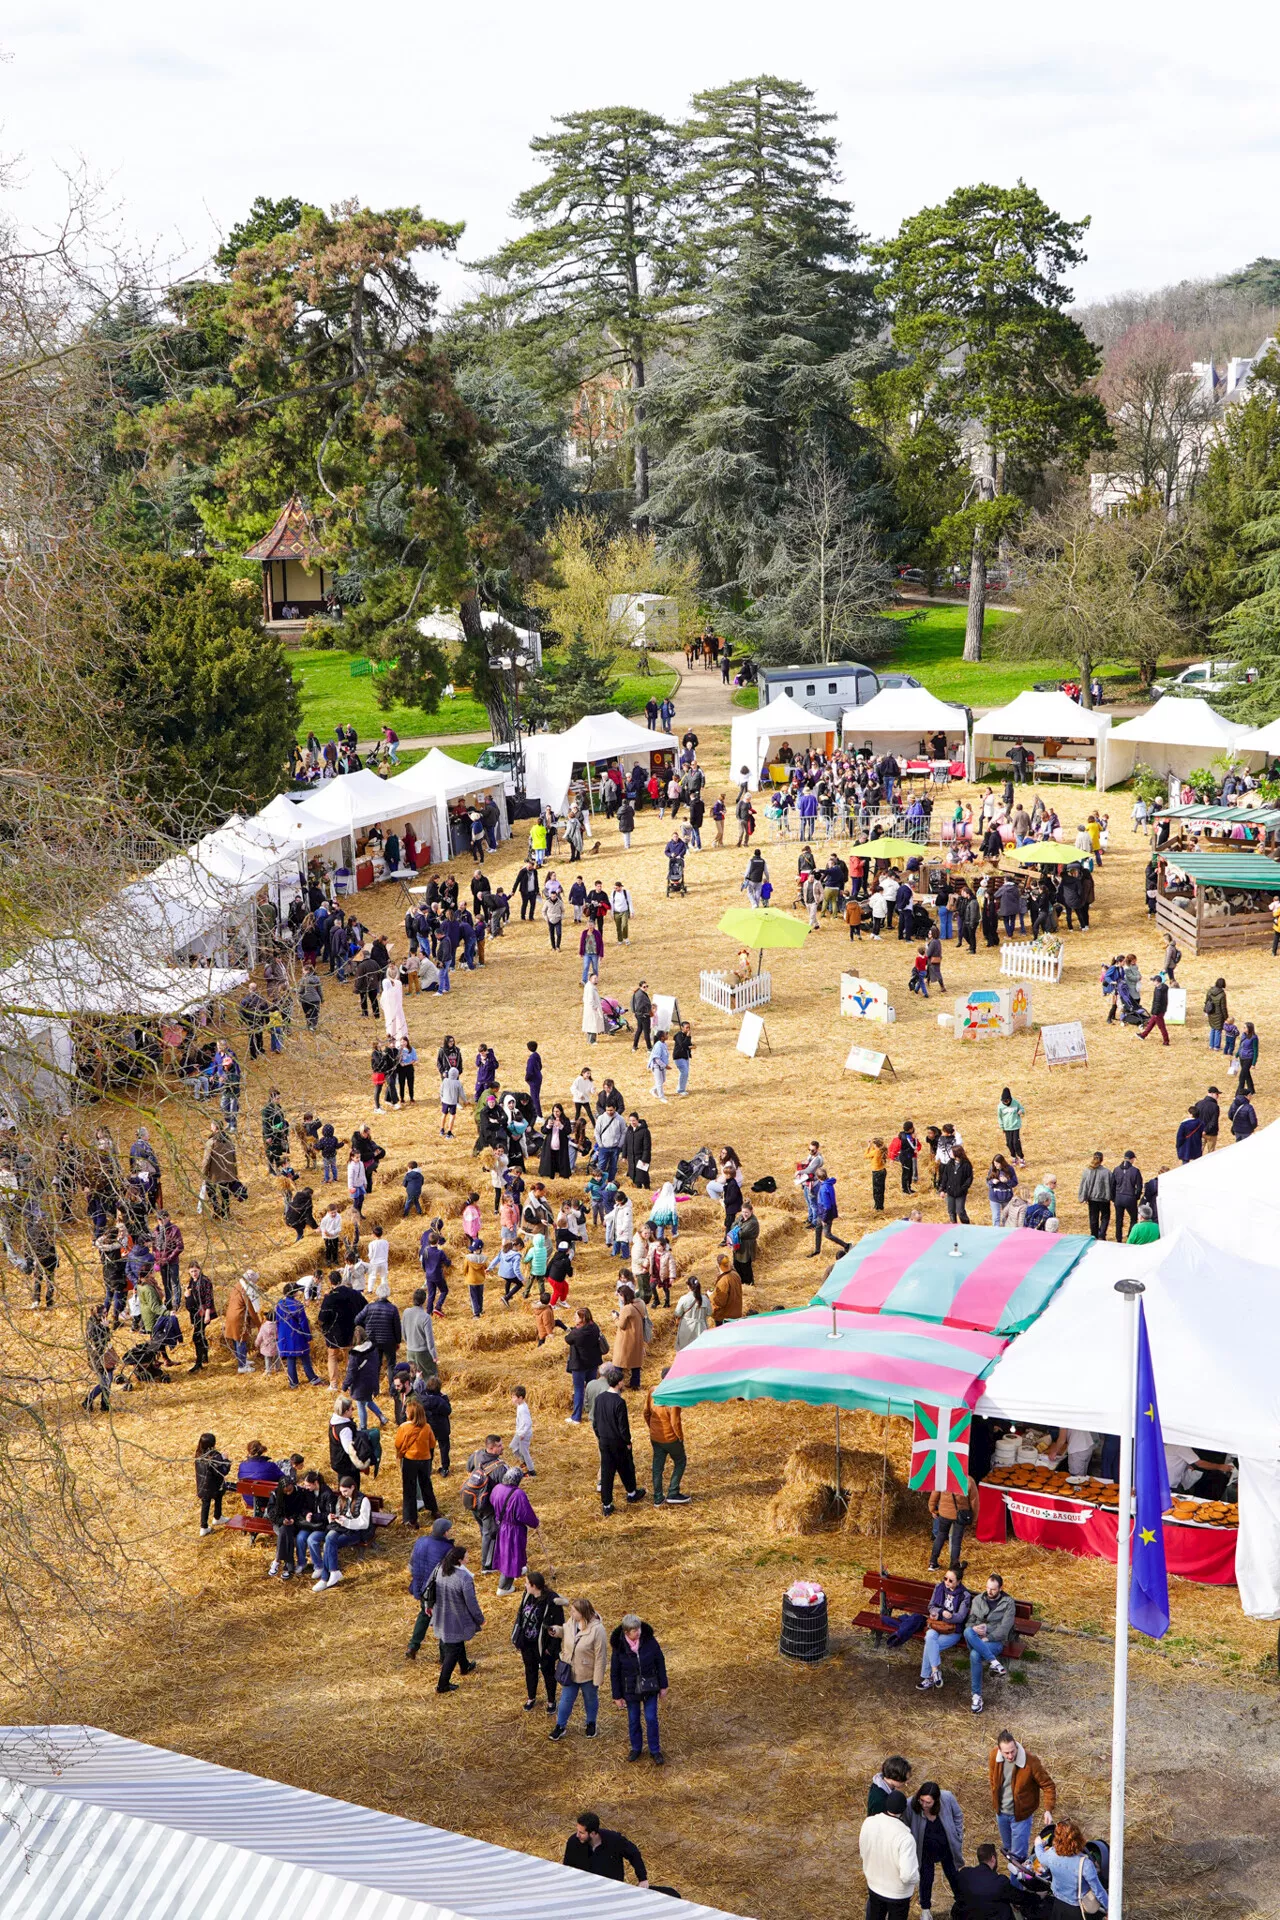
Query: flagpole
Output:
(1130,1291)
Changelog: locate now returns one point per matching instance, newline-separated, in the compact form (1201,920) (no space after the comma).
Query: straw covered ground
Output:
(759,1807)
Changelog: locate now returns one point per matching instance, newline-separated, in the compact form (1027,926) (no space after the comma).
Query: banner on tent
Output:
(1203,1553)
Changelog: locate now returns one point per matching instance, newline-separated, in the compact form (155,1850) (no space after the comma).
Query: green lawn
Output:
(330,696)
(933,650)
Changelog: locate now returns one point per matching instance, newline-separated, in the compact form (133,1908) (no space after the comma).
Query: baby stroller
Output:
(675,875)
(142,1365)
(1132,1012)
(615,1018)
(689,1172)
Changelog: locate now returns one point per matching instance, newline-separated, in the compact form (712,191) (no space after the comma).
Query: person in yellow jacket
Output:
(666,1433)
(877,1158)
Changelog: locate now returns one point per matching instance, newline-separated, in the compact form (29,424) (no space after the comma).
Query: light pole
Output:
(515,667)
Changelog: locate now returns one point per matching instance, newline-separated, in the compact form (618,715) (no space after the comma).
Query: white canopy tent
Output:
(1037,717)
(423,791)
(95,1827)
(1215,1354)
(349,801)
(752,735)
(897,719)
(550,758)
(1174,737)
(1230,1198)
(1261,740)
(186,910)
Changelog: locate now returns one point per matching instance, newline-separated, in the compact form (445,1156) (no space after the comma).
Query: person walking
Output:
(581,1666)
(826,1215)
(638,1680)
(1018,1782)
(587,1349)
(628,1341)
(611,1425)
(1126,1188)
(540,1610)
(456,1616)
(1247,1052)
(1159,1008)
(666,1435)
(947,1618)
(1208,1112)
(592,1011)
(949,1515)
(513,1511)
(658,1062)
(991,1618)
(682,1055)
(293,1334)
(485,1468)
(877,1158)
(642,1010)
(1009,1117)
(428,1552)
(955,1178)
(889,1860)
(620,903)
(1096,1191)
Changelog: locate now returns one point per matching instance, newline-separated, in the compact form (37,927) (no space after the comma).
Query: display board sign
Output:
(1176,1011)
(992,1012)
(866,1061)
(666,1013)
(750,1034)
(1064,1044)
(863,999)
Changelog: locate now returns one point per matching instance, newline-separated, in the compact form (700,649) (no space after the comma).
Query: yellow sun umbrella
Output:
(762,927)
(1048,853)
(890,849)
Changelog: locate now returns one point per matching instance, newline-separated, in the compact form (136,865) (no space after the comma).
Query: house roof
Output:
(293,536)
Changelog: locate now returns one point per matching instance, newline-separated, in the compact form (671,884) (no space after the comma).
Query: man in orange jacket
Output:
(1017,1781)
(666,1432)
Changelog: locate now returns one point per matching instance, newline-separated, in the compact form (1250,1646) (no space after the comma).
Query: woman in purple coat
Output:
(515,1516)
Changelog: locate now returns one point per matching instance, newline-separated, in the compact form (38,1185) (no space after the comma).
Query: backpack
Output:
(765,1185)
(1035,1216)
(477,1492)
(367,1445)
(1209,1002)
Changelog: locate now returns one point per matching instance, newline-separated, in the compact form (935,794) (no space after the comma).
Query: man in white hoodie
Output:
(889,1861)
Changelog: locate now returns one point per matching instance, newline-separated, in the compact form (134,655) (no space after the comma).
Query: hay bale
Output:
(812,1465)
(801,1509)
(874,1433)
(496,1336)
(863,1509)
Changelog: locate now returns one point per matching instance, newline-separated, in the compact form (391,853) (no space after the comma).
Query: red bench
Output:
(257,1523)
(913,1596)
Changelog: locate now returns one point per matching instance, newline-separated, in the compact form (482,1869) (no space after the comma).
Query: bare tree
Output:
(1160,413)
(822,593)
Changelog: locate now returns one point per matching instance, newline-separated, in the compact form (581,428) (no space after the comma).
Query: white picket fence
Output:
(1019,960)
(736,996)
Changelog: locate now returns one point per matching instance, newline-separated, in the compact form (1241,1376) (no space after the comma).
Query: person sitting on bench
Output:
(948,1614)
(991,1622)
(352,1522)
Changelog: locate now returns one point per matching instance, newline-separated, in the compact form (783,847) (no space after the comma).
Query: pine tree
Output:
(1250,632)
(978,295)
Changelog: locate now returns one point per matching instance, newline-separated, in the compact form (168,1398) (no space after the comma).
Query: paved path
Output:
(701,698)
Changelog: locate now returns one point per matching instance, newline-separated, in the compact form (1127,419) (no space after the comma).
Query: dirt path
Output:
(702,699)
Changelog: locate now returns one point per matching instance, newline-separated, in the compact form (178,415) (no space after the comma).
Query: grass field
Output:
(933,650)
(330,696)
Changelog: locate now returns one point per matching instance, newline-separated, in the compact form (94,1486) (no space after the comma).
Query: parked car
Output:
(500,759)
(897,680)
(1208,676)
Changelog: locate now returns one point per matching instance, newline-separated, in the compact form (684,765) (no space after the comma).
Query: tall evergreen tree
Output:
(1243,463)
(770,376)
(978,295)
(594,286)
(1250,631)
(760,170)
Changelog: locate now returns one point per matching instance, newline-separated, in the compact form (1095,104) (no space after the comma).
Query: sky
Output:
(1158,121)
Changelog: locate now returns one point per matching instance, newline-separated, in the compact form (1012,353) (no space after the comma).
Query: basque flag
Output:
(940,1449)
(1149,1577)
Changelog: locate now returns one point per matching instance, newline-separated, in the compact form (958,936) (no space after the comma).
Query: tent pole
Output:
(1129,1291)
(839,1492)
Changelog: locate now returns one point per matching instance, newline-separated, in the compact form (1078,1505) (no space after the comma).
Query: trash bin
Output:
(804,1630)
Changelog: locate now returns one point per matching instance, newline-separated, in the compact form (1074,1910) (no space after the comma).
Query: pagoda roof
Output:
(293,536)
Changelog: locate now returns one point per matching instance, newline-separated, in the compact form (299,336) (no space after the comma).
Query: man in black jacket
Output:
(338,1310)
(984,1893)
(528,889)
(1207,1113)
(1126,1188)
(637,1149)
(602,1851)
(611,1424)
(642,1008)
(1159,1008)
(381,1321)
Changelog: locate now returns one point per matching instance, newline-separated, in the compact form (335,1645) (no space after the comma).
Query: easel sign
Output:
(1063,1043)
(750,1034)
(666,1013)
(1176,1011)
(868,1063)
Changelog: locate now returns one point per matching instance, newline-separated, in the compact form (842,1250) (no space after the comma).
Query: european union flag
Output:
(1149,1578)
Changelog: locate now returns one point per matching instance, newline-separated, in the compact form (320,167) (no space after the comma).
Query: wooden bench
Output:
(913,1596)
(255,1524)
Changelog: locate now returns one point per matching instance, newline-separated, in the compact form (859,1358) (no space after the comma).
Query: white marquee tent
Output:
(423,791)
(1036,717)
(1215,1354)
(1175,736)
(897,719)
(95,1827)
(550,758)
(752,735)
(1261,740)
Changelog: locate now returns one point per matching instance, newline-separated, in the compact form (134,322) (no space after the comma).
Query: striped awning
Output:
(992,1279)
(882,1362)
(1267,817)
(95,1827)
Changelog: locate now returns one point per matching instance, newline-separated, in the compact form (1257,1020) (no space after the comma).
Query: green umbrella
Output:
(762,927)
(890,849)
(1048,853)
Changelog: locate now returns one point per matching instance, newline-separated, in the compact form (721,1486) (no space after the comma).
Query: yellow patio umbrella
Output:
(1048,853)
(890,849)
(762,927)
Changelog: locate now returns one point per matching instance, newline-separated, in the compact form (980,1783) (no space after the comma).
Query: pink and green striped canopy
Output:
(883,1362)
(994,1279)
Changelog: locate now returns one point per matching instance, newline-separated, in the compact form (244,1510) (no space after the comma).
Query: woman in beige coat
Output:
(583,1645)
(240,1322)
(628,1341)
(592,1012)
